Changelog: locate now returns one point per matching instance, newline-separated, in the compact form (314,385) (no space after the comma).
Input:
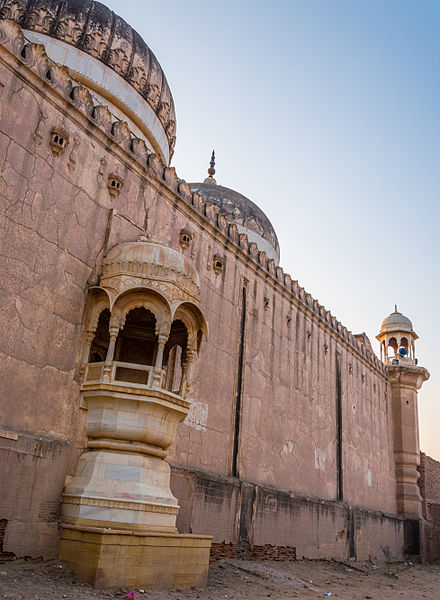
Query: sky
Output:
(325,113)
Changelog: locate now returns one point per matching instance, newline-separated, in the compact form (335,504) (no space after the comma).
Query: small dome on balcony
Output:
(128,265)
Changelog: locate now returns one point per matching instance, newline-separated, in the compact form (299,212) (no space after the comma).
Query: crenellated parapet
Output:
(34,57)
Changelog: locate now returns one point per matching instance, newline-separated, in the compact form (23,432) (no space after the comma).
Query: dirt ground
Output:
(237,580)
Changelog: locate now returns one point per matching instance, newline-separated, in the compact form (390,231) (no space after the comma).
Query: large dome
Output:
(244,213)
(107,55)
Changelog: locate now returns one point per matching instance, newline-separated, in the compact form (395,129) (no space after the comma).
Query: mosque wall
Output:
(313,419)
(254,521)
(429,484)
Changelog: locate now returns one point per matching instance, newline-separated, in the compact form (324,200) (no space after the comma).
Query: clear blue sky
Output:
(326,114)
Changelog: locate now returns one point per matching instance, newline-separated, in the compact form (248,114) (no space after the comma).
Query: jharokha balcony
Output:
(142,335)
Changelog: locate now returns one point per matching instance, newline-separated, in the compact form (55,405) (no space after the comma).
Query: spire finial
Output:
(211,170)
(395,308)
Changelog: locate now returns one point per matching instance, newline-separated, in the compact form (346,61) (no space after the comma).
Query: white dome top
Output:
(395,322)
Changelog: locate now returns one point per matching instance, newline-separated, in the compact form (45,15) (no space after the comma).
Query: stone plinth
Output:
(119,515)
(107,558)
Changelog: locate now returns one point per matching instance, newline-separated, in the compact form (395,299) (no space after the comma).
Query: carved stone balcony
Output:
(142,335)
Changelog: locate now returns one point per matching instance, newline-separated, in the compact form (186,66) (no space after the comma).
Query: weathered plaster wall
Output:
(429,484)
(247,516)
(58,220)
(32,474)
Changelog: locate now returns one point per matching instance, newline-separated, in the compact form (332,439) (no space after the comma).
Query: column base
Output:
(108,558)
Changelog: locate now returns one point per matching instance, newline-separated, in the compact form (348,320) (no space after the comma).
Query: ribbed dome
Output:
(150,259)
(94,29)
(244,213)
(396,321)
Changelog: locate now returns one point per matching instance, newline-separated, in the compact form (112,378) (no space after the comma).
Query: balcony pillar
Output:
(108,365)
(157,373)
(90,334)
(187,373)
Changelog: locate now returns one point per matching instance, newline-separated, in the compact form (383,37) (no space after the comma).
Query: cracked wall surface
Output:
(57,221)
(429,484)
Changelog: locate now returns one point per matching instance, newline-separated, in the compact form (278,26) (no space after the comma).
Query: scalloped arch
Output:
(146,298)
(193,318)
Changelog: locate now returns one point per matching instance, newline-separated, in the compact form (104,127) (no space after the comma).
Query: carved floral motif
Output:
(153,95)
(95,41)
(13,11)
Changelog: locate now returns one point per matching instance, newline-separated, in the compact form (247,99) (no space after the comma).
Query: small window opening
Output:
(218,264)
(326,349)
(288,320)
(185,238)
(114,185)
(309,336)
(350,369)
(266,304)
(58,142)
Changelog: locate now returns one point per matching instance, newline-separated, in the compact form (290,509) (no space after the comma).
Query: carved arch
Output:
(404,342)
(98,300)
(147,298)
(192,317)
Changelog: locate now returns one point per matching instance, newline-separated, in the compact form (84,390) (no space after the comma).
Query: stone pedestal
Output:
(118,512)
(107,558)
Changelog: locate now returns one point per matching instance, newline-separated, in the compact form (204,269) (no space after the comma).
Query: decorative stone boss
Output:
(143,333)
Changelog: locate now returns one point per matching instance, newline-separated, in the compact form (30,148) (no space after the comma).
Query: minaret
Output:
(211,170)
(397,346)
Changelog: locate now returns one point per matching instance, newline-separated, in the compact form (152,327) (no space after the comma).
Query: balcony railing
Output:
(122,373)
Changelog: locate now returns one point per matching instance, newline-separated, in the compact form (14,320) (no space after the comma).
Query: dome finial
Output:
(395,308)
(211,170)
